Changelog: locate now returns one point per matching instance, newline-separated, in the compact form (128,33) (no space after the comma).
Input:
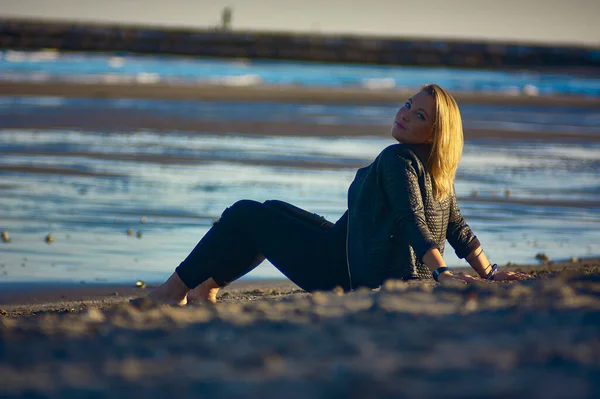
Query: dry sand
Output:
(536,338)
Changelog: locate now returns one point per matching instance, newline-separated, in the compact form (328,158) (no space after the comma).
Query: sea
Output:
(96,206)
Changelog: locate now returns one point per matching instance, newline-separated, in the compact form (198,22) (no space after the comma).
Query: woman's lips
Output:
(400,125)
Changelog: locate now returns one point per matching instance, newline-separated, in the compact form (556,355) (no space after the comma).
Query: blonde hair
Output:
(447,141)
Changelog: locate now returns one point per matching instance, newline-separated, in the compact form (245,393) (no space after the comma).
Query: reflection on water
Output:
(88,189)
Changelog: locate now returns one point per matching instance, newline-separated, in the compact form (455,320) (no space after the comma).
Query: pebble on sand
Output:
(130,232)
(5,236)
(140,284)
(542,257)
(139,234)
(49,238)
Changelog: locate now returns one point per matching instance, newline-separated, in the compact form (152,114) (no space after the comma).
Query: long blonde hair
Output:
(447,141)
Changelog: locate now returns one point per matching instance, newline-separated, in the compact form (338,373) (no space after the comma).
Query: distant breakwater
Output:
(35,35)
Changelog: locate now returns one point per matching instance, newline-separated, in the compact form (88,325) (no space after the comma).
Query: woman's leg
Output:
(296,244)
(208,290)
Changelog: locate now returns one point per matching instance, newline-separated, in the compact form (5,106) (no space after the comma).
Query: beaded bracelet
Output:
(492,273)
(436,273)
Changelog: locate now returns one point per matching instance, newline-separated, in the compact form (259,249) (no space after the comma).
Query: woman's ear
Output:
(431,136)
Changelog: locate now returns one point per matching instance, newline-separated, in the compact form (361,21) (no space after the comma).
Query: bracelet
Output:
(476,256)
(436,273)
(492,273)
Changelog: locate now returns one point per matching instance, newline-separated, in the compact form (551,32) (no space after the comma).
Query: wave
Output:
(29,56)
(378,83)
(235,80)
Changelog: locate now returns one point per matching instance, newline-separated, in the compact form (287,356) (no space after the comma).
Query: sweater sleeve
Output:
(459,234)
(400,184)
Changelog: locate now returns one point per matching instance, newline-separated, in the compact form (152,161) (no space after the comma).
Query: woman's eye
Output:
(407,105)
(421,116)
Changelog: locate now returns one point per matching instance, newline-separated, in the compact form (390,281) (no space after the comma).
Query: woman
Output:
(401,210)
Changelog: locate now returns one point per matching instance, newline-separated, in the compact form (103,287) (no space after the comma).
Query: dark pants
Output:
(305,247)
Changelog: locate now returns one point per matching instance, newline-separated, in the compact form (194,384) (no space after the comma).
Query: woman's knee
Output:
(243,209)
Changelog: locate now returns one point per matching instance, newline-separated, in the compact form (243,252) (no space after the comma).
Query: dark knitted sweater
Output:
(393,218)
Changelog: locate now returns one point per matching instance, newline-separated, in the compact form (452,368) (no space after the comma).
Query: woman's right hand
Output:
(449,278)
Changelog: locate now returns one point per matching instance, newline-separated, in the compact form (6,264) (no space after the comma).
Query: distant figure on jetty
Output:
(401,210)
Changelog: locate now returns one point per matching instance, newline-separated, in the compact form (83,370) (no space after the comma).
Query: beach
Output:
(534,338)
(266,337)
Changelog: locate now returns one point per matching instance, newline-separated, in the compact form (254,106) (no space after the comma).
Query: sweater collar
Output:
(421,150)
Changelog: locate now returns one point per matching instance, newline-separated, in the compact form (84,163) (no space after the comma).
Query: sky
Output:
(529,21)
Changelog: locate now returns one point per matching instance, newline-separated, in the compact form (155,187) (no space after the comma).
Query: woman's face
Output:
(414,121)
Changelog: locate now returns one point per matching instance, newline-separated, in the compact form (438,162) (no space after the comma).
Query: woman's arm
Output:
(466,245)
(433,259)
(480,263)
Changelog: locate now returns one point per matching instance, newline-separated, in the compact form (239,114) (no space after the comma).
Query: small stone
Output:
(143,219)
(115,294)
(49,238)
(93,315)
(130,232)
(574,259)
(392,285)
(139,234)
(338,290)
(140,284)
(319,298)
(507,193)
(542,257)
(5,236)
(530,90)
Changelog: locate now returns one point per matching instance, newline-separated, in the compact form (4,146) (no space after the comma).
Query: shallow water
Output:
(110,68)
(89,188)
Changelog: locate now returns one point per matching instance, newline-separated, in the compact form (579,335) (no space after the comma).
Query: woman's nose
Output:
(404,114)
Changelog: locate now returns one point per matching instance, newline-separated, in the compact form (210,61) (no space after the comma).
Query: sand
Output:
(128,120)
(536,338)
(278,93)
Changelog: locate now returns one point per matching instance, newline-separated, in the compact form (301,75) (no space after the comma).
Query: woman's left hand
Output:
(510,276)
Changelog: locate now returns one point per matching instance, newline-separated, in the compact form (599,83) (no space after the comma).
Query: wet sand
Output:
(119,120)
(291,94)
(536,338)
(127,121)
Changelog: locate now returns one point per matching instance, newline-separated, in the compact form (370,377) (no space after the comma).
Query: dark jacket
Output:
(393,218)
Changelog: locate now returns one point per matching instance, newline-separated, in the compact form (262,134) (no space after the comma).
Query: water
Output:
(88,188)
(52,65)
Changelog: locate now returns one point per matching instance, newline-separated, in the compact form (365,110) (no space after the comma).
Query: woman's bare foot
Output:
(205,292)
(171,292)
